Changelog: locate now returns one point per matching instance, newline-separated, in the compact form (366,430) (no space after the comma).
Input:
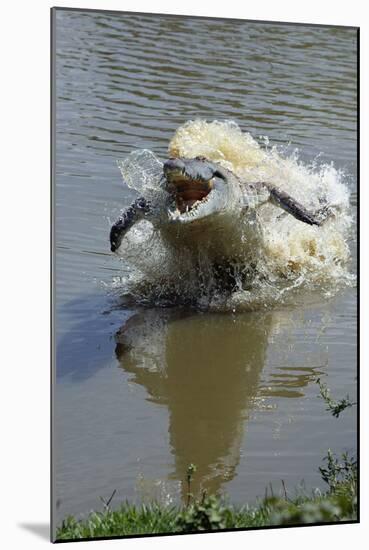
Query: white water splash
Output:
(293,256)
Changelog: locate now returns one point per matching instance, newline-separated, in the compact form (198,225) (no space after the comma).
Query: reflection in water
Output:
(205,377)
(289,381)
(206,369)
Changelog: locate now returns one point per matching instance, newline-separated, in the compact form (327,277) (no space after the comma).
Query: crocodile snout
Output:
(173,164)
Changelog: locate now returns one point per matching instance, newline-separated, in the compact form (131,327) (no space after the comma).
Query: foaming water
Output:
(281,256)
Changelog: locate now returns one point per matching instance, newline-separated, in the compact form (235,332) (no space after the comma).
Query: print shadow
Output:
(42,530)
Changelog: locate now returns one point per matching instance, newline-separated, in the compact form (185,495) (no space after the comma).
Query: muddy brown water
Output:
(234,394)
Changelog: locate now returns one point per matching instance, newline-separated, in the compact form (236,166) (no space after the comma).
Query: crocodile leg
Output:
(129,217)
(284,200)
(268,192)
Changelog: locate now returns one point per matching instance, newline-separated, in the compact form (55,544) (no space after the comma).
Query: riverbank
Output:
(211,513)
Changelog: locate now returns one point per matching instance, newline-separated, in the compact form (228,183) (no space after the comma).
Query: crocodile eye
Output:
(218,174)
(201,158)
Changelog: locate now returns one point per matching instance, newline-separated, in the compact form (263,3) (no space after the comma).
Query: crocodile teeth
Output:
(174,214)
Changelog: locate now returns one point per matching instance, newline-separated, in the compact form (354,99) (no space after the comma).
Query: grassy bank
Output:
(213,513)
(209,513)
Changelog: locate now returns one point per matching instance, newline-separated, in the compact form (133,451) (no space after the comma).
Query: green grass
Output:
(213,513)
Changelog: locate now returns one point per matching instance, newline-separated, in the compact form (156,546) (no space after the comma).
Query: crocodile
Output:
(210,210)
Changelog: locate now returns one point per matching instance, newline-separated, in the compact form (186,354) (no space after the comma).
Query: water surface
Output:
(234,394)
